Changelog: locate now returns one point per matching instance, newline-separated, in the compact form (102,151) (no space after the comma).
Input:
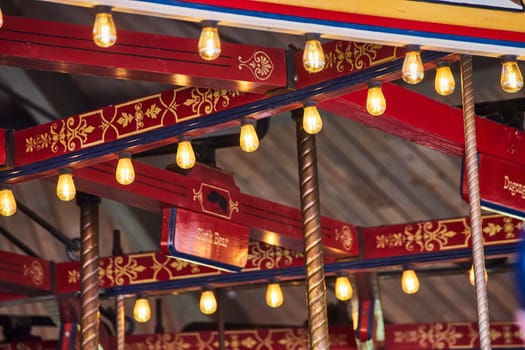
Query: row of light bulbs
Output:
(274,296)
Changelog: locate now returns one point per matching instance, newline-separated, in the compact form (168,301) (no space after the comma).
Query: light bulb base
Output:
(124,155)
(66,171)
(247,121)
(312,36)
(412,48)
(375,84)
(103,9)
(208,23)
(6,186)
(508,58)
(442,63)
(310,104)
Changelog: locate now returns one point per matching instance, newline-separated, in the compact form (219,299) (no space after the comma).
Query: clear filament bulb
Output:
(7,201)
(66,190)
(209,41)
(312,122)
(511,78)
(343,288)
(125,173)
(313,54)
(412,71)
(274,295)
(185,155)
(249,141)
(208,303)
(409,281)
(444,83)
(375,100)
(142,310)
(104,30)
(1,18)
(472,278)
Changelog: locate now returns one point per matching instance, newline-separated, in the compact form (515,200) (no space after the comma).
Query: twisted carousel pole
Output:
(89,290)
(471,163)
(121,322)
(311,215)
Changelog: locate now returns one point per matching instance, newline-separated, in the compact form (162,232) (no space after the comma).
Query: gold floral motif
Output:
(425,237)
(63,132)
(161,342)
(295,340)
(435,336)
(116,271)
(126,118)
(268,256)
(510,228)
(492,229)
(259,64)
(206,100)
(355,55)
(179,265)
(509,334)
(35,272)
(233,206)
(345,236)
(73,276)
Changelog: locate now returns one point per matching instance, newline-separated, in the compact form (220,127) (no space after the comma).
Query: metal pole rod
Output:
(89,290)
(18,243)
(311,216)
(69,243)
(220,320)
(471,161)
(121,322)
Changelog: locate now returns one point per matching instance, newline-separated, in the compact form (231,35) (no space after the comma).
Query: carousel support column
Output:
(121,322)
(89,290)
(471,161)
(311,216)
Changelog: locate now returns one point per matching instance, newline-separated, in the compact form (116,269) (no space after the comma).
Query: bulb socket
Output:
(124,155)
(412,48)
(508,58)
(102,9)
(374,84)
(247,121)
(442,63)
(66,171)
(312,36)
(208,23)
(310,104)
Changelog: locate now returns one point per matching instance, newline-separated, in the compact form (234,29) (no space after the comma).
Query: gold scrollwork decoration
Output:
(118,270)
(269,257)
(206,100)
(35,272)
(345,236)
(259,64)
(436,336)
(426,236)
(348,56)
(295,340)
(126,119)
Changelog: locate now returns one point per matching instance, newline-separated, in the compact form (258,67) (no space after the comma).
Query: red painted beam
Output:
(430,123)
(23,274)
(453,335)
(67,48)
(32,345)
(269,222)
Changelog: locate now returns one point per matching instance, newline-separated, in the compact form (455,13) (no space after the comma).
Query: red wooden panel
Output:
(270,222)
(436,236)
(501,185)
(22,274)
(434,336)
(68,48)
(430,123)
(31,345)
(341,337)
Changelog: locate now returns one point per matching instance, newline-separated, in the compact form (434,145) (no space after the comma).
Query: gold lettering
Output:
(513,187)
(211,237)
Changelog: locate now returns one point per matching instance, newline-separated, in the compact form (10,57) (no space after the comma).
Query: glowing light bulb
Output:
(274,295)
(104,30)
(1,18)
(209,41)
(249,141)
(142,310)
(511,78)
(444,83)
(343,288)
(375,100)
(412,71)
(471,277)
(312,122)
(313,55)
(185,155)
(125,174)
(208,303)
(7,200)
(66,190)
(409,281)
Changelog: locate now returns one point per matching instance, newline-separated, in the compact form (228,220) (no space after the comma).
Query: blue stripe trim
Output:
(214,119)
(298,272)
(502,209)
(335,24)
